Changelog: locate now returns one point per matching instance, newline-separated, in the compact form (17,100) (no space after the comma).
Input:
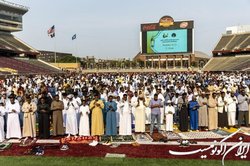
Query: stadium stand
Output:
(16,56)
(232,52)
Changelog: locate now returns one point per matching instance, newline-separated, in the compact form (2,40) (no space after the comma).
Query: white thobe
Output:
(84,121)
(13,123)
(71,121)
(2,112)
(231,110)
(169,111)
(125,119)
(65,102)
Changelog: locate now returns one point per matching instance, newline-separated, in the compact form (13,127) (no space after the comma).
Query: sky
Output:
(110,29)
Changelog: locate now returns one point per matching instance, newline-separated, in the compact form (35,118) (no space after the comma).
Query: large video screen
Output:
(167,41)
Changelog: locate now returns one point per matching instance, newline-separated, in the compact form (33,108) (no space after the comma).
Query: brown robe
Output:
(57,120)
(29,119)
(212,113)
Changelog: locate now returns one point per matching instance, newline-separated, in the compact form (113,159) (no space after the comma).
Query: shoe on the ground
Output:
(107,143)
(64,147)
(94,143)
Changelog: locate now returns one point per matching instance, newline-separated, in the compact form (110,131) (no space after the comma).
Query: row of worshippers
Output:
(210,111)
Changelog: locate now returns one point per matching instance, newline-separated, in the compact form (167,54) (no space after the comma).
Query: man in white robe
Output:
(125,117)
(169,111)
(84,119)
(231,102)
(13,123)
(2,113)
(71,121)
(161,97)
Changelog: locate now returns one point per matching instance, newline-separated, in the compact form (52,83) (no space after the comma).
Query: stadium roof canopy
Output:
(230,43)
(10,43)
(12,7)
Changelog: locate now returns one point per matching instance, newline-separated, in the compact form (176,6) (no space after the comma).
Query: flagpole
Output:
(55,50)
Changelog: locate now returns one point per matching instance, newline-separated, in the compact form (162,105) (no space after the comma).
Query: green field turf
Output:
(77,161)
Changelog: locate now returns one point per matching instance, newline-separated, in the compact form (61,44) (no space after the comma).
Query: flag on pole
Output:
(51,32)
(74,37)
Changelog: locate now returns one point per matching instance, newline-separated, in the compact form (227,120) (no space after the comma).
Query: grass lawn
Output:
(77,161)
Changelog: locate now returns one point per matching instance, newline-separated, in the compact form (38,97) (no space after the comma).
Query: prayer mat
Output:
(171,135)
(5,145)
(200,135)
(221,132)
(142,137)
(245,130)
(27,142)
(78,140)
(117,138)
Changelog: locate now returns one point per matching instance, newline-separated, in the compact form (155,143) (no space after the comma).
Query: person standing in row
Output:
(140,115)
(2,113)
(125,116)
(169,112)
(110,109)
(84,119)
(193,112)
(212,112)
(243,108)
(57,106)
(231,109)
(222,111)
(29,118)
(183,109)
(13,123)
(71,118)
(203,114)
(43,110)
(97,124)
(155,105)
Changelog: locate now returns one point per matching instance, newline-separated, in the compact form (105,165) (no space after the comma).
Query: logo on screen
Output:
(166,21)
(184,25)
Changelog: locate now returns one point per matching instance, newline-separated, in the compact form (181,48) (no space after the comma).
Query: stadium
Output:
(47,114)
(16,56)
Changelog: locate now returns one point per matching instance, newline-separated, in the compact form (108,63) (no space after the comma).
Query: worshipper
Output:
(57,106)
(161,97)
(71,120)
(148,110)
(84,119)
(140,115)
(97,124)
(155,105)
(125,116)
(183,112)
(2,113)
(118,103)
(231,103)
(174,100)
(243,108)
(13,123)
(79,103)
(169,111)
(133,101)
(222,111)
(193,107)
(29,118)
(43,110)
(110,109)
(64,113)
(203,114)
(212,112)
